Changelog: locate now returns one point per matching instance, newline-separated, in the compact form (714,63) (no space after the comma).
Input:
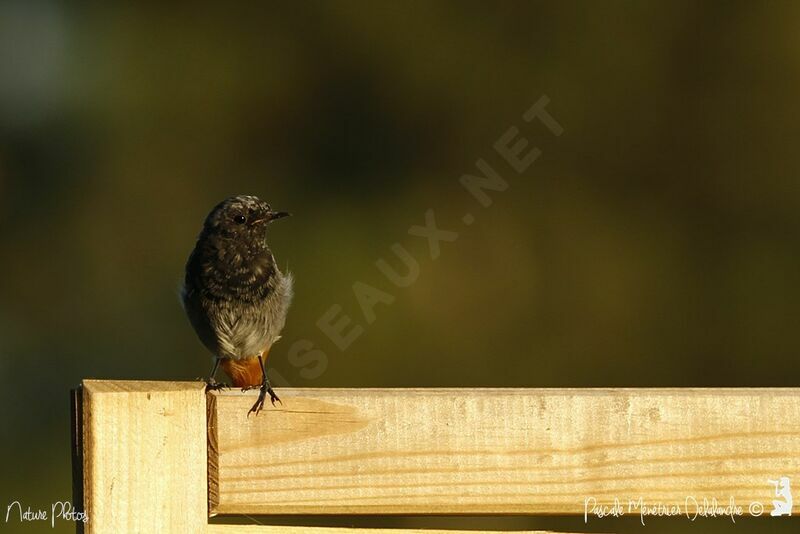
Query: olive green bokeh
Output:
(654,243)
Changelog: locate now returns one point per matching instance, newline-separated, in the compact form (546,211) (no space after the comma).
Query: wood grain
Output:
(498,451)
(144,456)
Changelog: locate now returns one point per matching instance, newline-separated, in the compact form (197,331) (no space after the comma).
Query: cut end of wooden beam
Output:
(144,456)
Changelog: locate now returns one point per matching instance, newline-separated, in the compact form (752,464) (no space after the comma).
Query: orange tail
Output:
(243,373)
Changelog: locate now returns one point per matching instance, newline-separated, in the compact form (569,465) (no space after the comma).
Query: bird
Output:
(234,294)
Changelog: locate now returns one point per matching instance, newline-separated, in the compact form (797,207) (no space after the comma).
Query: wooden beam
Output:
(139,453)
(498,451)
(144,456)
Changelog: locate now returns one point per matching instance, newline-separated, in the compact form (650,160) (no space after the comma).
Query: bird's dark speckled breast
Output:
(223,269)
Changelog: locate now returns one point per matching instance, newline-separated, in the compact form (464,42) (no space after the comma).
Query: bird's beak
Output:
(275,215)
(271,216)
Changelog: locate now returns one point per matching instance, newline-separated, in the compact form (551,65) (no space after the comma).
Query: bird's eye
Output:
(239,219)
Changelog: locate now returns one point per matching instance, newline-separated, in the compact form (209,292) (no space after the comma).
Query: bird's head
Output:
(241,217)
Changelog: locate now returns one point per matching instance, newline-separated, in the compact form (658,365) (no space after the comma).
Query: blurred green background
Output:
(654,243)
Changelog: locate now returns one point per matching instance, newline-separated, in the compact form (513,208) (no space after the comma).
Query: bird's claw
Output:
(213,385)
(273,397)
(262,395)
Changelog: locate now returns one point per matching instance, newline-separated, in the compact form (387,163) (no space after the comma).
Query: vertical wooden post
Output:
(144,457)
(76,431)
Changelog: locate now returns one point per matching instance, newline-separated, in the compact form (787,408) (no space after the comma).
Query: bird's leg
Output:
(266,387)
(211,382)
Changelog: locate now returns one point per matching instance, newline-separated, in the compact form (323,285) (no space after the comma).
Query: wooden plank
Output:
(499,451)
(144,456)
(269,529)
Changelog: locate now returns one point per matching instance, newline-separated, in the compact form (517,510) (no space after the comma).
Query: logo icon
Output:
(783,504)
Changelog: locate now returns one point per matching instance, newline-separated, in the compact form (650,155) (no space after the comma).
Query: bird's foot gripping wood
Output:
(262,394)
(213,385)
(265,388)
(211,381)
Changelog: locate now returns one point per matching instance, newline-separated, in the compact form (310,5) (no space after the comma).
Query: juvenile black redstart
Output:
(235,295)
